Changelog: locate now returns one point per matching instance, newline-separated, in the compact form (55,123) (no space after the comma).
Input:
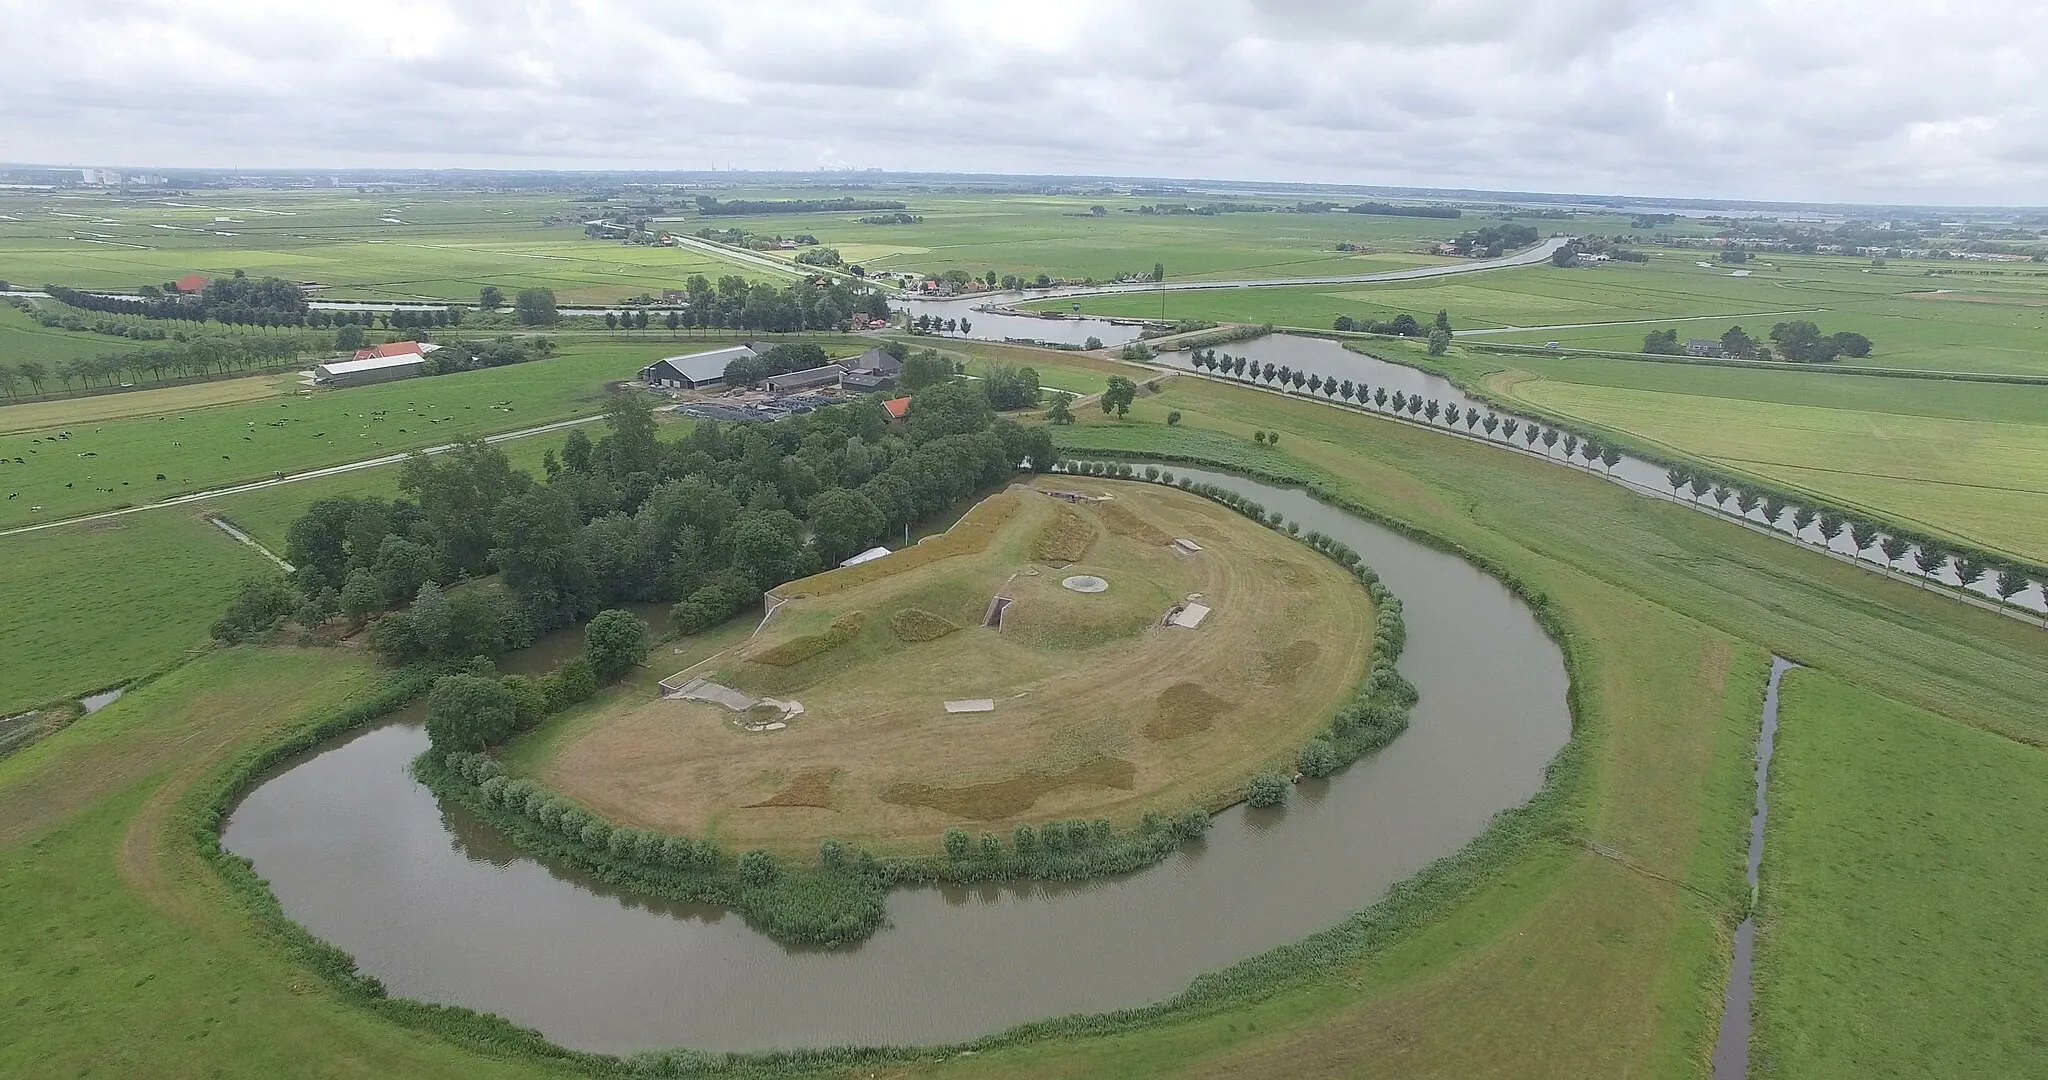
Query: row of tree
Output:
(1930,555)
(1799,341)
(198,357)
(236,300)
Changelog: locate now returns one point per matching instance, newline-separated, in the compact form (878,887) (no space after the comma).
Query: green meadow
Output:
(223,444)
(1946,457)
(1902,923)
(414,246)
(1899,307)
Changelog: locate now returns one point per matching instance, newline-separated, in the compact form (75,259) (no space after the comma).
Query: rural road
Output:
(293,478)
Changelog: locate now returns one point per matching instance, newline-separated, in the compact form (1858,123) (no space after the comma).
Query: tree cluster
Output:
(1382,209)
(706,522)
(238,300)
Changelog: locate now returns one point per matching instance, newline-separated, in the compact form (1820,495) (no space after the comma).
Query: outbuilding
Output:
(374,369)
(807,379)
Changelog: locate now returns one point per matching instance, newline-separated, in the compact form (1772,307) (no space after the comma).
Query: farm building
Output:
(897,408)
(872,370)
(806,379)
(395,348)
(374,369)
(695,370)
(190,283)
(1703,347)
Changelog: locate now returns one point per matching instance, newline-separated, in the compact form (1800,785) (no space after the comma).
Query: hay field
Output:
(1100,711)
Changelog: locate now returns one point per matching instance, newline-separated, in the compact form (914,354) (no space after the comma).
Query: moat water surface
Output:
(440,908)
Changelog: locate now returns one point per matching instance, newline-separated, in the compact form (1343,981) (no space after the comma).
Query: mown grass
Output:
(1889,305)
(1559,962)
(224,444)
(1963,460)
(444,245)
(1902,920)
(89,606)
(100,408)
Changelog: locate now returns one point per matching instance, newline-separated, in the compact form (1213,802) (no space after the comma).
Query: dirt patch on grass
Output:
(1183,709)
(811,787)
(916,624)
(1123,521)
(799,649)
(1284,666)
(1065,539)
(1008,798)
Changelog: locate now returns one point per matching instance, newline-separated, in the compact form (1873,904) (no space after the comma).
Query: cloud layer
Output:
(1826,100)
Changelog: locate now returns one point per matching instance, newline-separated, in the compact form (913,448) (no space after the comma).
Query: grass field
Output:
(34,416)
(223,444)
(418,246)
(1567,963)
(1100,711)
(1893,306)
(1963,460)
(1903,924)
(95,604)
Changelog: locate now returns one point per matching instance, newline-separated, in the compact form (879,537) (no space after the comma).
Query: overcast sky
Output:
(1837,100)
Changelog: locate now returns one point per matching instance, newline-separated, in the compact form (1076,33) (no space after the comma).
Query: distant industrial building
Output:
(383,363)
(695,370)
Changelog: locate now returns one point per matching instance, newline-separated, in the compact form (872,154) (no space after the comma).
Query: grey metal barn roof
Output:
(705,367)
(808,376)
(375,363)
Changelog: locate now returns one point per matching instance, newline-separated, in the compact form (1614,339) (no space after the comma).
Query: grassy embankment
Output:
(1910,325)
(1563,963)
(1156,719)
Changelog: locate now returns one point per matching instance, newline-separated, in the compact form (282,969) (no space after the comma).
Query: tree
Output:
(2010,583)
(1062,409)
(1662,343)
(759,869)
(1443,321)
(842,522)
(34,372)
(1894,548)
(1930,556)
(535,307)
(1676,477)
(1564,256)
(1863,534)
(1159,271)
(1801,341)
(1550,437)
(1508,428)
(349,338)
(490,298)
(1736,343)
(1774,508)
(1118,396)
(1831,526)
(1173,418)
(1439,341)
(1317,758)
(470,712)
(1266,789)
(615,643)
(1970,570)
(611,320)
(959,846)
(1609,458)
(1849,343)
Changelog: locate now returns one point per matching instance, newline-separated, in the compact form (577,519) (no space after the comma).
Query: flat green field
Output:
(1903,924)
(125,955)
(1897,307)
(91,605)
(127,404)
(1965,460)
(223,444)
(417,246)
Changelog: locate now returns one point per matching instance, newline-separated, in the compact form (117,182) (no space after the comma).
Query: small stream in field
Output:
(1731,1050)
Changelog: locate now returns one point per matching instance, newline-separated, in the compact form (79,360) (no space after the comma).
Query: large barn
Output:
(695,370)
(382,363)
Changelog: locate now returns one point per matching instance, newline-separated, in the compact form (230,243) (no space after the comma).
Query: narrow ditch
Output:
(1731,1050)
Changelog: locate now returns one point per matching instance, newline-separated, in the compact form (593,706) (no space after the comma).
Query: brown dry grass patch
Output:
(1000,799)
(1183,709)
(1123,521)
(1065,539)
(969,535)
(1284,666)
(811,788)
(918,625)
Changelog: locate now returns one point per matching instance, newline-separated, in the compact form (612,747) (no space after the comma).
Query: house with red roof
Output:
(395,348)
(897,408)
(190,283)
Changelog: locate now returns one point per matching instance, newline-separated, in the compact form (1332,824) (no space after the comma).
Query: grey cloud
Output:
(1832,99)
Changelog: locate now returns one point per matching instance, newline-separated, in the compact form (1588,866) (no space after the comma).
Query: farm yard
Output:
(1098,709)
